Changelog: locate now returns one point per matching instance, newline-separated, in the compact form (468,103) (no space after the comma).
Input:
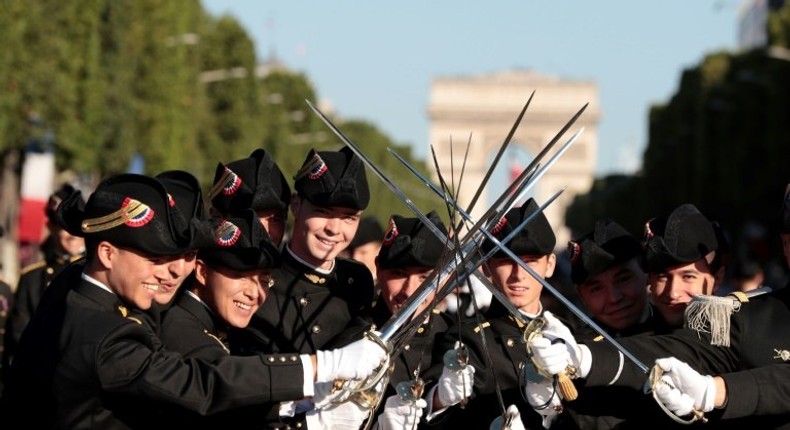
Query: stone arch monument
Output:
(482,110)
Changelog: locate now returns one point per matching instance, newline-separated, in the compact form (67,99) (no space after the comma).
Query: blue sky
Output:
(376,60)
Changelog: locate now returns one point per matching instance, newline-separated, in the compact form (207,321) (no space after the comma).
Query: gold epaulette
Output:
(482,326)
(436,311)
(598,338)
(33,266)
(77,257)
(135,319)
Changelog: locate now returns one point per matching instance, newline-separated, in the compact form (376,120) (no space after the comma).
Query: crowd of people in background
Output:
(155,304)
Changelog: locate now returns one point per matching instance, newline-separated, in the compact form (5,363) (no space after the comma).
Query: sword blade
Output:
(570,305)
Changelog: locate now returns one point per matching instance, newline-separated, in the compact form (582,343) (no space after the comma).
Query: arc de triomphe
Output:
(482,110)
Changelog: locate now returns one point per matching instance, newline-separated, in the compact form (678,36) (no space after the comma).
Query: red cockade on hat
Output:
(136,213)
(499,225)
(227,233)
(392,232)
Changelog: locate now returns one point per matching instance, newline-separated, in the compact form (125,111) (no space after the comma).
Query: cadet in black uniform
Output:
(755,392)
(183,189)
(721,334)
(59,249)
(317,298)
(83,364)
(534,244)
(256,183)
(231,281)
(410,251)
(607,268)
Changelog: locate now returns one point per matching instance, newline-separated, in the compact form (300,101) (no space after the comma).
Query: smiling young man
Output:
(607,268)
(534,245)
(685,256)
(316,295)
(317,299)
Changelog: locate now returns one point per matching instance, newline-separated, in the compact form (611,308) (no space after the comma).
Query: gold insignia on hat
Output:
(315,278)
(783,354)
(133,213)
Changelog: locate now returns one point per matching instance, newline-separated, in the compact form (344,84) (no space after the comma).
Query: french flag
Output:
(38,177)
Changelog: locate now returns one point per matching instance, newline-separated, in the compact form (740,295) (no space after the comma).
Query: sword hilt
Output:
(457,359)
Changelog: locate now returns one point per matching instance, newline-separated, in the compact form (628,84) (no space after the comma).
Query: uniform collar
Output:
(308,272)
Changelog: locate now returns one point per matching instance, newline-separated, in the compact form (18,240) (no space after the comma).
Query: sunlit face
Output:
(133,275)
(616,297)
(398,284)
(234,295)
(366,254)
(321,233)
(273,221)
(67,242)
(180,268)
(672,289)
(520,287)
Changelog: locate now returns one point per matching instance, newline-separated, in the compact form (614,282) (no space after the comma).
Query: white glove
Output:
(346,415)
(561,349)
(324,394)
(355,361)
(400,414)
(544,399)
(455,385)
(515,420)
(691,389)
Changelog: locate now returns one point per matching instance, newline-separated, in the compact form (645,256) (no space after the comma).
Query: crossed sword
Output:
(460,267)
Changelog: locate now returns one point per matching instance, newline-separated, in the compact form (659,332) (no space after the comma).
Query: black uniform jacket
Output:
(190,328)
(33,280)
(82,364)
(759,333)
(307,311)
(507,352)
(417,356)
(603,408)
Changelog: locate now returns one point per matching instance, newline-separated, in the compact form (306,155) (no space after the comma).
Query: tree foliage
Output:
(721,142)
(112,80)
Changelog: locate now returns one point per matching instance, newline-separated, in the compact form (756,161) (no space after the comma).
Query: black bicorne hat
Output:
(184,190)
(128,210)
(333,178)
(255,182)
(369,230)
(683,237)
(786,211)
(240,243)
(600,249)
(56,198)
(537,238)
(408,242)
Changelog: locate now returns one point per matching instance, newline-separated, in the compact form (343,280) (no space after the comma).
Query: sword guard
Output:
(411,390)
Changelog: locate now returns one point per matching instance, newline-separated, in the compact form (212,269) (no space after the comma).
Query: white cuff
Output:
(430,414)
(307,369)
(586,361)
